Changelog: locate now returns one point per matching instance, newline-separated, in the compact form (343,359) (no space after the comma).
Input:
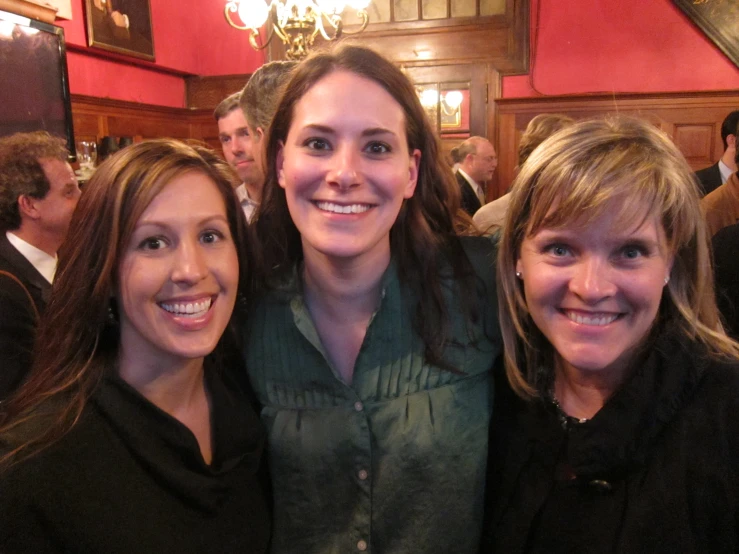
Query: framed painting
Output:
(122,26)
(719,20)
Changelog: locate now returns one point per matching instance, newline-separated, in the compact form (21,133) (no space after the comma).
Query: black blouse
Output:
(131,478)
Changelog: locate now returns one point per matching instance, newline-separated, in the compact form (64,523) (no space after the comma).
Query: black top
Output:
(726,260)
(709,178)
(655,470)
(470,201)
(18,309)
(129,478)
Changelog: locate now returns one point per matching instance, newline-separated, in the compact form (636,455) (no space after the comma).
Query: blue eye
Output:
(633,252)
(558,250)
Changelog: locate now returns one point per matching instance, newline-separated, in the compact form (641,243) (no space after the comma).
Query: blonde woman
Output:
(623,436)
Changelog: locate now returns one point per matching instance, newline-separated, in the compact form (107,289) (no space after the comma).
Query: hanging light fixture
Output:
(296,22)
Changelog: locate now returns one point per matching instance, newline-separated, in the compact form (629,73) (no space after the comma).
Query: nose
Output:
(345,171)
(237,147)
(592,279)
(189,266)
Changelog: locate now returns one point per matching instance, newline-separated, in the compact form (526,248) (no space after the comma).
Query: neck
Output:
(729,158)
(255,191)
(171,389)
(38,238)
(343,288)
(582,394)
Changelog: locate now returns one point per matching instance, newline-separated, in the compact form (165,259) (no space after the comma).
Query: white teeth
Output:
(339,209)
(189,309)
(592,320)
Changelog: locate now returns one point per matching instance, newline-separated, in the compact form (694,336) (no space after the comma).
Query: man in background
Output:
(722,205)
(478,162)
(237,145)
(259,101)
(714,176)
(490,217)
(38,194)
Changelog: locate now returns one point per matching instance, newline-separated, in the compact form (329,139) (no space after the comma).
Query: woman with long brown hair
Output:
(371,345)
(131,434)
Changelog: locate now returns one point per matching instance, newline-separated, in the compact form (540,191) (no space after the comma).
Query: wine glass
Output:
(87,154)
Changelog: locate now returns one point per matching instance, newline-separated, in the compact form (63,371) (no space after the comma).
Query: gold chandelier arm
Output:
(254,35)
(233,7)
(365,19)
(333,20)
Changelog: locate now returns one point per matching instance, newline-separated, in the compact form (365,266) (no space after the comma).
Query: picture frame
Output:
(719,20)
(121,26)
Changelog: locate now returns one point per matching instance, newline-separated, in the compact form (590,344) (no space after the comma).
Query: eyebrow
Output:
(165,225)
(370,132)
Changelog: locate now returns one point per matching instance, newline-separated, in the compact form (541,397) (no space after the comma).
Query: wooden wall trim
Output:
(94,118)
(692,119)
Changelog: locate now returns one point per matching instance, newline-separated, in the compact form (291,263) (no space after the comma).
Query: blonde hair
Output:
(587,170)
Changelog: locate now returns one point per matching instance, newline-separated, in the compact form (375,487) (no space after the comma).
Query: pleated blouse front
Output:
(394,462)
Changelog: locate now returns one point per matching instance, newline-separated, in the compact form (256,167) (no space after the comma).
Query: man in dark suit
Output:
(38,193)
(478,162)
(714,176)
(726,266)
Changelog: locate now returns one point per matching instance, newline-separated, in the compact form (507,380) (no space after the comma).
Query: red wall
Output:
(190,38)
(619,46)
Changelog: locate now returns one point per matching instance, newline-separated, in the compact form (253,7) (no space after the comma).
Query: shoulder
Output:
(492,214)
(707,171)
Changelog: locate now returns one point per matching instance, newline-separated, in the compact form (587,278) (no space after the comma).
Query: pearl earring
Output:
(518,274)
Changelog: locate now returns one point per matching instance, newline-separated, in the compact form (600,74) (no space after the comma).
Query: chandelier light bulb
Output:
(429,98)
(358,4)
(453,99)
(253,13)
(331,6)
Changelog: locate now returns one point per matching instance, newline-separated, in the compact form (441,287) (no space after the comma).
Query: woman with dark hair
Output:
(623,433)
(372,345)
(131,434)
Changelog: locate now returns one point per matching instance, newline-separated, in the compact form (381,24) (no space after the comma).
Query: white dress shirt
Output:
(44,264)
(247,204)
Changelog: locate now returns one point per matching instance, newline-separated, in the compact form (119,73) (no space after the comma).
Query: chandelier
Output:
(296,22)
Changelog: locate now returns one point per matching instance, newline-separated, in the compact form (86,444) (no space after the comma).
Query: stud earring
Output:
(667,280)
(518,274)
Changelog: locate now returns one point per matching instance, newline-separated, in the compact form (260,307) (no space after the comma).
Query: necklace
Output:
(566,421)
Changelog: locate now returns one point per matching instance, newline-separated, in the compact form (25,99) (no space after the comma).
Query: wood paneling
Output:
(207,92)
(502,41)
(95,118)
(692,119)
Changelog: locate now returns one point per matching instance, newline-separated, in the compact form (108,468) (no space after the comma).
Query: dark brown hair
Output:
(77,342)
(423,238)
(21,173)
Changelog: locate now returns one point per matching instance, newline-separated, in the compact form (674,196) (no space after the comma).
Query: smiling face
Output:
(346,168)
(594,291)
(238,147)
(178,276)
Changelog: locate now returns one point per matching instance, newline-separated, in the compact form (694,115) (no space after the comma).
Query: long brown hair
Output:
(77,339)
(590,168)
(424,236)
